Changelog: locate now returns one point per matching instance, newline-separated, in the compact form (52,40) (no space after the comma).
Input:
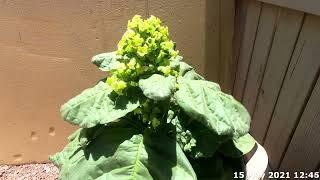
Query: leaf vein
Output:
(136,160)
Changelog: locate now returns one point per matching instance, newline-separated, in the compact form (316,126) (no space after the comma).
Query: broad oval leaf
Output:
(121,153)
(238,147)
(157,87)
(85,135)
(187,72)
(97,105)
(221,113)
(175,61)
(105,61)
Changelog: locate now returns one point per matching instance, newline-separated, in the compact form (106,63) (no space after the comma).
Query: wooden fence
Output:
(277,78)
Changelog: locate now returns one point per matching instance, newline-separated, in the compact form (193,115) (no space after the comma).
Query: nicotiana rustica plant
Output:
(154,117)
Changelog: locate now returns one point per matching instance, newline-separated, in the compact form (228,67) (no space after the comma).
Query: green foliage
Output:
(193,137)
(154,117)
(187,72)
(219,112)
(239,146)
(158,87)
(97,105)
(118,151)
(106,61)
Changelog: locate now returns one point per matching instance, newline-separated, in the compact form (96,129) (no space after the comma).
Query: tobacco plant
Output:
(154,117)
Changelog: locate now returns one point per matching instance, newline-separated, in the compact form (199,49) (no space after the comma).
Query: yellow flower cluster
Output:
(145,49)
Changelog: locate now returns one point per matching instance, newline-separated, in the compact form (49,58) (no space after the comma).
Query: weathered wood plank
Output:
(227,65)
(309,6)
(241,11)
(286,35)
(251,24)
(264,38)
(295,90)
(212,40)
(303,151)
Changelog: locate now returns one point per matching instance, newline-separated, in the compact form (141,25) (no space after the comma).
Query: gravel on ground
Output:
(29,172)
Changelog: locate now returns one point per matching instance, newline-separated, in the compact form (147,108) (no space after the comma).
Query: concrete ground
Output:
(29,172)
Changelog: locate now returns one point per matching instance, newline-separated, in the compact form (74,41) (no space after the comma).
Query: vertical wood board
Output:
(303,151)
(308,6)
(241,11)
(264,38)
(286,35)
(247,43)
(296,88)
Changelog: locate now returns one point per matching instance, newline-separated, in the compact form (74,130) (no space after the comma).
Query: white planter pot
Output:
(257,165)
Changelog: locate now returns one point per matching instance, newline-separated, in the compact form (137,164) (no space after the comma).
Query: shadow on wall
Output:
(220,66)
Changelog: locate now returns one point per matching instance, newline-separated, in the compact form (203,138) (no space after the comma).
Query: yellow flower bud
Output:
(132,83)
(138,65)
(142,50)
(166,70)
(155,122)
(122,85)
(121,67)
(132,63)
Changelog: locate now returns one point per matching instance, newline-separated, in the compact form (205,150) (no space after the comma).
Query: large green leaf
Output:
(85,135)
(119,152)
(195,138)
(174,166)
(221,113)
(238,147)
(158,87)
(97,105)
(105,61)
(187,72)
